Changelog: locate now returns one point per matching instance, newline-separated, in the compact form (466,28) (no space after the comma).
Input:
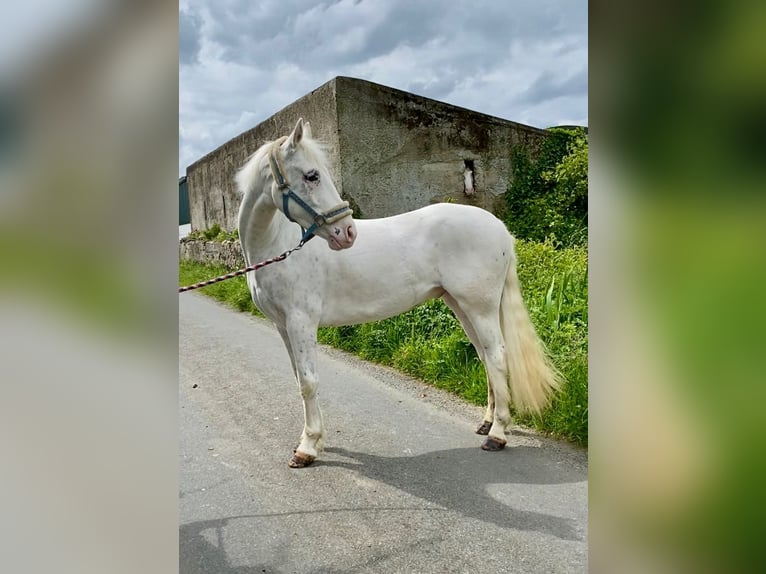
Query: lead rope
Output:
(233,274)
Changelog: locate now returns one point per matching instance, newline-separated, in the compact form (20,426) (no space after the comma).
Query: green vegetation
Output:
(215,233)
(548,196)
(555,288)
(428,342)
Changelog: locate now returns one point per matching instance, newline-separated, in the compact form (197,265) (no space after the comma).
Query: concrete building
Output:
(390,151)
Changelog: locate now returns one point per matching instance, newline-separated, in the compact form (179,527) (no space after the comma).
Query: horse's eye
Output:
(312,176)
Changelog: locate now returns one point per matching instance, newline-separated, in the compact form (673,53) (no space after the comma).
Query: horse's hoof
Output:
(493,444)
(300,460)
(484,428)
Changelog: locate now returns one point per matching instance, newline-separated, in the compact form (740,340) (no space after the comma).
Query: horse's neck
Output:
(264,231)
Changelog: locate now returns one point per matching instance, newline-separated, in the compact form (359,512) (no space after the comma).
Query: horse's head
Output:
(304,191)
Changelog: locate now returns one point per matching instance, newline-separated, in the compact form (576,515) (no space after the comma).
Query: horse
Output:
(378,268)
(468,178)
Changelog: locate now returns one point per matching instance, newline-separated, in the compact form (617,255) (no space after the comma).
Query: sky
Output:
(243,60)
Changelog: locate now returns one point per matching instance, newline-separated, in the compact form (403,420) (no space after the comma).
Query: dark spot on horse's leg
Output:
(493,444)
(300,460)
(483,428)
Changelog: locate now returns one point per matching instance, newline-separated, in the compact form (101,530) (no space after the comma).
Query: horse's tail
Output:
(532,377)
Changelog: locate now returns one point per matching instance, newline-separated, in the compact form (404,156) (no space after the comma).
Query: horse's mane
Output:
(257,165)
(248,174)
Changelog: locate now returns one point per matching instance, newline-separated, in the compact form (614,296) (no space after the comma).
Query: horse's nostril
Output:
(350,233)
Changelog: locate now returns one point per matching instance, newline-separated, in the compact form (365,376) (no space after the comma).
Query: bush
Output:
(215,233)
(548,196)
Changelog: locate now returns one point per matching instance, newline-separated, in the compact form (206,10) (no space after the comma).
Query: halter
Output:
(331,216)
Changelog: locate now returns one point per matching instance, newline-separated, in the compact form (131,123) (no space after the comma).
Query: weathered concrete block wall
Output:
(389,151)
(213,196)
(400,151)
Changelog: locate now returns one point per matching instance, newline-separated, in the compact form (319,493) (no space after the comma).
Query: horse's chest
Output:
(282,290)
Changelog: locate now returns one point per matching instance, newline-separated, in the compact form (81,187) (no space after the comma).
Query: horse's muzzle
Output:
(342,234)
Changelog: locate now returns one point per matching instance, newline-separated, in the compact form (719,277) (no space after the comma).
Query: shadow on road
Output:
(457,480)
(454,480)
(197,555)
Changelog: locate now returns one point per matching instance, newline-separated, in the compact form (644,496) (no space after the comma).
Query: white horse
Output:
(468,178)
(459,253)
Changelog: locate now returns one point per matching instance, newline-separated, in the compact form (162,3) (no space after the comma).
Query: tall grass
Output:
(429,343)
(555,289)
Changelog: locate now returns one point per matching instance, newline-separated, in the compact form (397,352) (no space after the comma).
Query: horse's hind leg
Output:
(300,338)
(484,319)
(489,413)
(491,337)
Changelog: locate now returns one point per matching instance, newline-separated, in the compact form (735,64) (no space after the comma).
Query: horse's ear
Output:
(307,130)
(297,135)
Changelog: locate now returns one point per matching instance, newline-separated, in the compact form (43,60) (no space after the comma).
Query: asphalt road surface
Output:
(401,487)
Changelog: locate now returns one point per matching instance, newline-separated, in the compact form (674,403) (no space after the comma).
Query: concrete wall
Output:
(390,152)
(400,151)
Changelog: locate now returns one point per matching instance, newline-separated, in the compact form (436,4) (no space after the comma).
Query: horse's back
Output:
(436,211)
(443,220)
(462,234)
(481,225)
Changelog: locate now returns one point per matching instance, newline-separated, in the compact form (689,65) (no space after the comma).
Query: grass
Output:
(429,343)
(233,292)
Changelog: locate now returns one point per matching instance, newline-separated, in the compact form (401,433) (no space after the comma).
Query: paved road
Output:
(402,486)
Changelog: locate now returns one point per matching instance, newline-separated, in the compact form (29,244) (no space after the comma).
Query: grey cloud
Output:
(188,38)
(500,58)
(254,33)
(549,86)
(444,85)
(306,32)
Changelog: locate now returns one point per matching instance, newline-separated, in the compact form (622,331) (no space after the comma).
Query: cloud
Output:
(188,37)
(241,61)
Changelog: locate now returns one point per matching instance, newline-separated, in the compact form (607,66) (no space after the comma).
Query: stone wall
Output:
(226,253)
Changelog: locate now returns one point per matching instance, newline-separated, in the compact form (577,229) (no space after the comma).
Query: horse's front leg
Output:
(301,335)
